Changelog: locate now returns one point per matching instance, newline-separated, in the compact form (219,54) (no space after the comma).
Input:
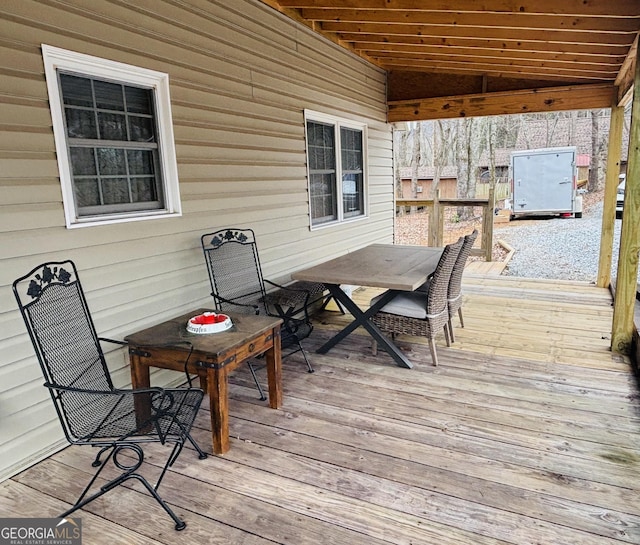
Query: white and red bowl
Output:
(208,322)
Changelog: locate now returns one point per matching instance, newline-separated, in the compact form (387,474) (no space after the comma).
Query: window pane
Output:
(76,91)
(111,161)
(141,129)
(323,201)
(108,96)
(115,191)
(139,101)
(143,190)
(112,126)
(80,123)
(322,149)
(352,194)
(321,152)
(351,141)
(140,161)
(87,192)
(352,171)
(108,177)
(83,161)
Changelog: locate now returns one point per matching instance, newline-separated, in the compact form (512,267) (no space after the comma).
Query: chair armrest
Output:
(114,341)
(217,298)
(115,392)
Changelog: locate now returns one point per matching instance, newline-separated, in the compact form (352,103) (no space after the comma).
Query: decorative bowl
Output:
(209,322)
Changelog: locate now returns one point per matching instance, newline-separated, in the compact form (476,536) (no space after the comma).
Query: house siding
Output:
(241,76)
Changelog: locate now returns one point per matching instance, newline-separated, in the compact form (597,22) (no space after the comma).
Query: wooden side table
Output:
(212,357)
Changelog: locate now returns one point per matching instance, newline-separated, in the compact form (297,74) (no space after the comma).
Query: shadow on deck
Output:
(527,432)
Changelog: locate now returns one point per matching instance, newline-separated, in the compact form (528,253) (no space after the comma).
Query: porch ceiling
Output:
(472,57)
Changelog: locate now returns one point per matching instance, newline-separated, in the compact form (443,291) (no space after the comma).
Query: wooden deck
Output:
(527,433)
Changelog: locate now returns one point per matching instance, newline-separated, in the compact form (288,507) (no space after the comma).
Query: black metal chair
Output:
(91,410)
(237,285)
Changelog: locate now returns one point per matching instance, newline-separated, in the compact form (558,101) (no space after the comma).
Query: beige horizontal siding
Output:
(241,76)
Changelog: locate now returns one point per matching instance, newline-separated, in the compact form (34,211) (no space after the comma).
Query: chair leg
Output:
(434,354)
(446,334)
(255,379)
(306,360)
(450,327)
(460,315)
(374,347)
(201,454)
(128,472)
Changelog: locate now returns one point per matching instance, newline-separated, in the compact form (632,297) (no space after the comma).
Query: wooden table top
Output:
(173,333)
(391,266)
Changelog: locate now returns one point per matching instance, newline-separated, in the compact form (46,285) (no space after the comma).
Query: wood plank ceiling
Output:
(453,58)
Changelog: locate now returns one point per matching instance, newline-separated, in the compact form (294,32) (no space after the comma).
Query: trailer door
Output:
(543,182)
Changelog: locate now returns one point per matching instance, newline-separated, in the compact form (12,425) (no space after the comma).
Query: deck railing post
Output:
(487,223)
(434,221)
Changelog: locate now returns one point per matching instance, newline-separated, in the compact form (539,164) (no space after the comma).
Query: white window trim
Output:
(310,115)
(61,59)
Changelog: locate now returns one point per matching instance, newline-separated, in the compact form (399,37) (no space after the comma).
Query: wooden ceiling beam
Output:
(593,8)
(485,33)
(625,78)
(495,70)
(479,54)
(457,61)
(513,21)
(578,97)
(512,44)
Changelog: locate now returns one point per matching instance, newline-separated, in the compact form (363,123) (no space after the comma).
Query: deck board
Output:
(527,432)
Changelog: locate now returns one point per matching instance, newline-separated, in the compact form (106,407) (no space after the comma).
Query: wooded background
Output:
(478,148)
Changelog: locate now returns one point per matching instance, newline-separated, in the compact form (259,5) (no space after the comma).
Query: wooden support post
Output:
(487,223)
(626,281)
(434,217)
(611,184)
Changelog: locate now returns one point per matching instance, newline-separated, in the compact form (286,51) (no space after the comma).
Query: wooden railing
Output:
(436,209)
(502,191)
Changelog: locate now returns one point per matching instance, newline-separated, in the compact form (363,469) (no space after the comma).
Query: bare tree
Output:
(416,157)
(442,145)
(401,156)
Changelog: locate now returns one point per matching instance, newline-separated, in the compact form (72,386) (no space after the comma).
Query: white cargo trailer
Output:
(543,182)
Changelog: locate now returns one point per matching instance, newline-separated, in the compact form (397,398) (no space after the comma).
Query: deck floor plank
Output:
(528,432)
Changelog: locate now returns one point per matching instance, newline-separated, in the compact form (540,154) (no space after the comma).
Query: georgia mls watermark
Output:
(40,531)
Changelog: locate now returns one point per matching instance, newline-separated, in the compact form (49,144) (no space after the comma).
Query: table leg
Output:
(361,318)
(273,358)
(219,406)
(140,379)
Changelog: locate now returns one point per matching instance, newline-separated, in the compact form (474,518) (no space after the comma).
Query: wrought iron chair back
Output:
(238,285)
(90,409)
(235,271)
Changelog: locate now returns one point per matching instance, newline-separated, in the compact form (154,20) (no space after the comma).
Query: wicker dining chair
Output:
(91,410)
(418,313)
(237,285)
(454,293)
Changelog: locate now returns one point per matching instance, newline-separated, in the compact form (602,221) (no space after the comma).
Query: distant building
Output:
(447,185)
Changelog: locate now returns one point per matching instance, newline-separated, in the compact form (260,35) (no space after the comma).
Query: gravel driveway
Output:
(557,248)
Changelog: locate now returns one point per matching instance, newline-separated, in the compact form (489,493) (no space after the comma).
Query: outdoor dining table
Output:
(393,266)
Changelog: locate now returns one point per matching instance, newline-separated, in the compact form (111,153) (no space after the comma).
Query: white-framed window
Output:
(114,139)
(336,168)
